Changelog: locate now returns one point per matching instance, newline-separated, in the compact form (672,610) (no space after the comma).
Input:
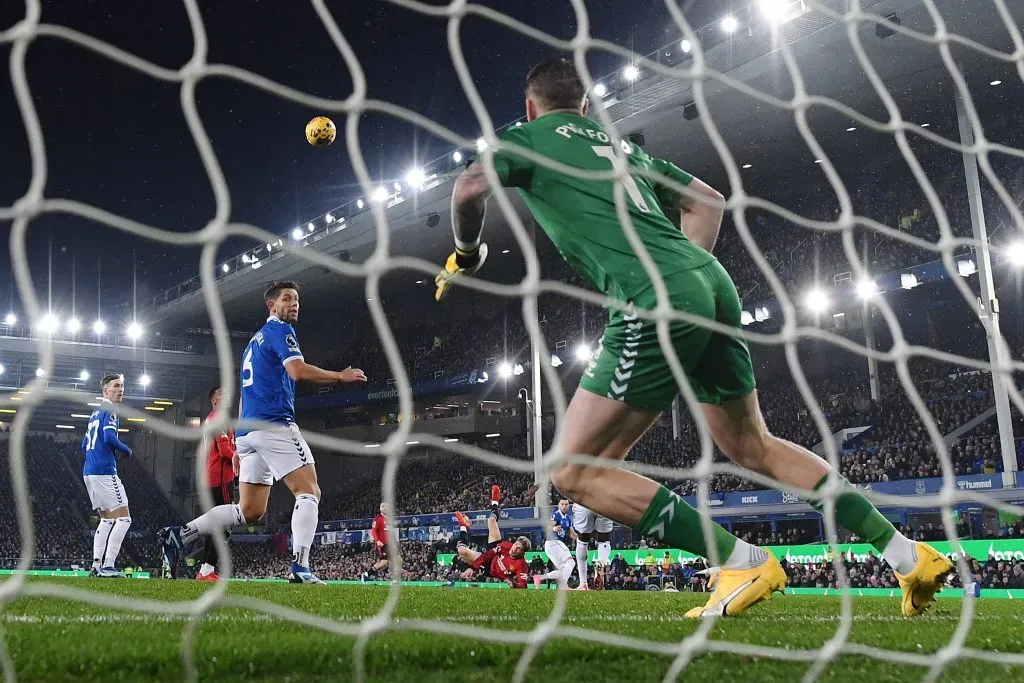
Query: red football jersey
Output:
(504,566)
(379,530)
(218,460)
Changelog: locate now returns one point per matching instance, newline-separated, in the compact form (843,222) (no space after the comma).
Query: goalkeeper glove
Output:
(459,263)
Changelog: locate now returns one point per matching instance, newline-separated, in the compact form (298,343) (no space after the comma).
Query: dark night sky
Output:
(117,138)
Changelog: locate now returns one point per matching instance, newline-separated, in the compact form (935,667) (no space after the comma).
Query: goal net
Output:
(763,67)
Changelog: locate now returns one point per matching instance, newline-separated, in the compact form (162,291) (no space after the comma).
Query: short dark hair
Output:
(274,290)
(107,379)
(557,84)
(213,391)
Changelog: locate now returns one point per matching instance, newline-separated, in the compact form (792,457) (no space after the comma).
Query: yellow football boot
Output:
(927,578)
(739,589)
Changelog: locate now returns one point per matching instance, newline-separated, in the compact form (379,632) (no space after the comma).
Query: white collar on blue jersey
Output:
(273,317)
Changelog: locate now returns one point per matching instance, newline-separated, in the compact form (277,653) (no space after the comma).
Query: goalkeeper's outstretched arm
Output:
(469,203)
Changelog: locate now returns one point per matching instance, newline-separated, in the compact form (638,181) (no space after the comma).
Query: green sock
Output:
(856,513)
(670,519)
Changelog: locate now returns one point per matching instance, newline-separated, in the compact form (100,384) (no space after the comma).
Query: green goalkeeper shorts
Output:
(630,366)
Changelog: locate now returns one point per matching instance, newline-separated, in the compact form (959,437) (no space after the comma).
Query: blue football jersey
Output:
(101,441)
(268,393)
(564,522)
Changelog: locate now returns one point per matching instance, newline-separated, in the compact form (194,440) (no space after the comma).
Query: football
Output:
(320,131)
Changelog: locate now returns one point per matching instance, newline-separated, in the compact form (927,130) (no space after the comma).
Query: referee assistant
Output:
(221,473)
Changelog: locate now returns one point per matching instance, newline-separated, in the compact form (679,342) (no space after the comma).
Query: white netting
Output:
(696,74)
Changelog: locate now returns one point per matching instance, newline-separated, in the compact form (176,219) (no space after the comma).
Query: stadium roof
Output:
(756,133)
(150,376)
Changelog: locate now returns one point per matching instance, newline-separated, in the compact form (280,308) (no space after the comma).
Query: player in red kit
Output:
(220,470)
(505,560)
(379,532)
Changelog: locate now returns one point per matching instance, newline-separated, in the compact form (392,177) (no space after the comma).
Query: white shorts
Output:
(267,455)
(585,521)
(558,553)
(105,492)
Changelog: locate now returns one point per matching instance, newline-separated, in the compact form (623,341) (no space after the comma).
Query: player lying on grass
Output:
(628,381)
(504,560)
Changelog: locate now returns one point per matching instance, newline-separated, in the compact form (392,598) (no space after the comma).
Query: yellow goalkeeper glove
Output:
(472,261)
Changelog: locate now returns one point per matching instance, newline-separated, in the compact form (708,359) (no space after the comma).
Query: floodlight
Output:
(817,300)
(415,178)
(583,351)
(1014,252)
(866,289)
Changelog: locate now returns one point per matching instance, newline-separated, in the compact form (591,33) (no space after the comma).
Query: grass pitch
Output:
(53,639)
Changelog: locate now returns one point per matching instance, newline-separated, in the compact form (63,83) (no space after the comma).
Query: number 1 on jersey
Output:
(608,152)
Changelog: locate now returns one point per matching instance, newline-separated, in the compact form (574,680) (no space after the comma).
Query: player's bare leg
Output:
(303,484)
(607,429)
(739,430)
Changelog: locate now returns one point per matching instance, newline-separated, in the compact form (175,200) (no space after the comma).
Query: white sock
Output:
(99,541)
(553,574)
(604,552)
(901,554)
(305,516)
(745,556)
(581,560)
(206,569)
(115,540)
(566,572)
(217,519)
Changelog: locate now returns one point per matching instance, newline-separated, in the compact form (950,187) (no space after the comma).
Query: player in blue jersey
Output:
(557,548)
(106,494)
(271,364)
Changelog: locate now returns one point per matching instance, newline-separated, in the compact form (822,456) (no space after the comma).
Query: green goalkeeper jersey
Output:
(579,214)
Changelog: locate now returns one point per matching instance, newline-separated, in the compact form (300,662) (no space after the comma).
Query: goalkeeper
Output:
(628,382)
